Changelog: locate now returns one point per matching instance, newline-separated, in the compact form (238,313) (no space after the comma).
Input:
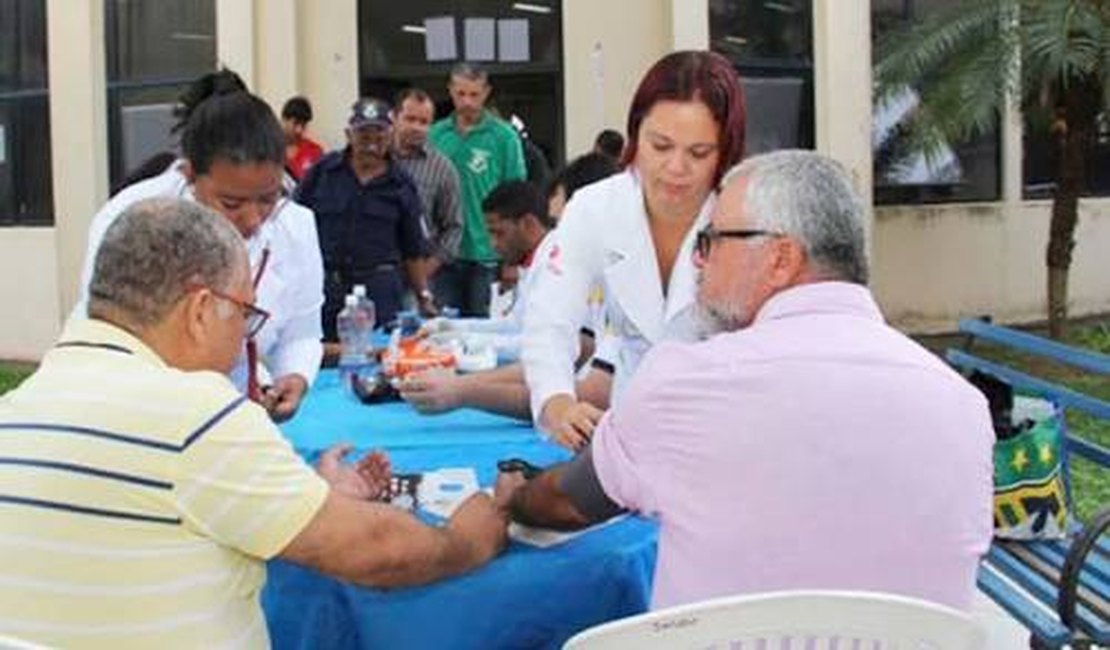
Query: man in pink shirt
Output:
(806,444)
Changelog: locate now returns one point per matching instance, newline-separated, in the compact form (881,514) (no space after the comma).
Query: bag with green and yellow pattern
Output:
(1030,498)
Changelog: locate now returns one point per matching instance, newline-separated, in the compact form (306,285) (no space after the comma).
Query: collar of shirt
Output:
(483,124)
(92,332)
(821,297)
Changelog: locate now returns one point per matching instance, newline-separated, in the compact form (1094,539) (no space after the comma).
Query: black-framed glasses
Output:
(703,242)
(254,317)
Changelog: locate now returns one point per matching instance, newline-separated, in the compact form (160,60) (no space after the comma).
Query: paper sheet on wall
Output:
(3,145)
(439,39)
(512,40)
(478,35)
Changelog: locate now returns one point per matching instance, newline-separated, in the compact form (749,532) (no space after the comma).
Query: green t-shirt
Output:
(488,155)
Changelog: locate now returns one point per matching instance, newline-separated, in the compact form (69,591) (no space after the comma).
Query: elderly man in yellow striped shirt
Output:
(140,492)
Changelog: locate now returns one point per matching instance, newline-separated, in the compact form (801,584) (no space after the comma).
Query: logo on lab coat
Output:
(555,260)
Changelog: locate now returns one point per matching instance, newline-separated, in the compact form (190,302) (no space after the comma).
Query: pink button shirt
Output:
(818,448)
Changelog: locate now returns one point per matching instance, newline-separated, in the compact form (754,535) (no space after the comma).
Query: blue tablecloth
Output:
(527,598)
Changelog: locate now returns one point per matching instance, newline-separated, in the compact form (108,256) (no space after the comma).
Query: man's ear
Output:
(535,224)
(790,262)
(196,314)
(188,171)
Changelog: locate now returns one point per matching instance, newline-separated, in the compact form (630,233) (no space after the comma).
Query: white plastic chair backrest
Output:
(794,620)
(12,643)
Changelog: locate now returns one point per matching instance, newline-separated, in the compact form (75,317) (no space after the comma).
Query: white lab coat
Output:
(291,288)
(604,237)
(526,283)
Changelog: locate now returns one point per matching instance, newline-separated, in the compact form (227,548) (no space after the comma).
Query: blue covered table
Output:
(527,598)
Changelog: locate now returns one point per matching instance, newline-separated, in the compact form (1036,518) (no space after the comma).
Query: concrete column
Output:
(78,132)
(842,86)
(1012,133)
(328,71)
(690,24)
(607,47)
(235,37)
(276,51)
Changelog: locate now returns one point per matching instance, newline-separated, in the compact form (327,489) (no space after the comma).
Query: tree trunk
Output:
(1082,99)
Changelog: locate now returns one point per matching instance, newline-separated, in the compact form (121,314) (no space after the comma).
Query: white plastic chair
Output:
(12,643)
(792,620)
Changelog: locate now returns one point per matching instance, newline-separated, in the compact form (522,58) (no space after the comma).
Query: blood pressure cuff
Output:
(580,483)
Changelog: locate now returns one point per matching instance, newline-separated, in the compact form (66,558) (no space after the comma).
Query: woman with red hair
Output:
(633,234)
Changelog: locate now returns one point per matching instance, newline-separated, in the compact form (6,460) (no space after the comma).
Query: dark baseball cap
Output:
(370,112)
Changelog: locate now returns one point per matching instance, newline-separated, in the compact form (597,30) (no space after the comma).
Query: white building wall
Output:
(935,264)
(931,264)
(30,320)
(607,47)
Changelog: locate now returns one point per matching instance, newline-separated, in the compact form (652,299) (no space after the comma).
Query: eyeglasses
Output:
(254,317)
(703,243)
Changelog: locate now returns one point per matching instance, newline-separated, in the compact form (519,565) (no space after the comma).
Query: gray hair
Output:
(470,71)
(809,197)
(154,251)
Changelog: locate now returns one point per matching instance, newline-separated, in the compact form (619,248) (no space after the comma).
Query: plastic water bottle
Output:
(353,329)
(369,313)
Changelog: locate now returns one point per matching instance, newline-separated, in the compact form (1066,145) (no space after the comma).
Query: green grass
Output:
(12,374)
(1090,482)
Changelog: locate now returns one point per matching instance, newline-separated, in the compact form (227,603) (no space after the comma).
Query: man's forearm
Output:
(432,554)
(431,265)
(415,274)
(541,502)
(377,545)
(496,393)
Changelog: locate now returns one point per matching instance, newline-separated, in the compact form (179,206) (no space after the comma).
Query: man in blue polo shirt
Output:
(486,152)
(369,219)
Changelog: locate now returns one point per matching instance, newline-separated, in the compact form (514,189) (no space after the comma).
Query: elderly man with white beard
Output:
(805,444)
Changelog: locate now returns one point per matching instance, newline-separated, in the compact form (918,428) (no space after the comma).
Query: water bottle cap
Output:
(351,300)
(359,290)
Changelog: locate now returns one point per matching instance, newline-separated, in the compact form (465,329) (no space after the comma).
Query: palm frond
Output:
(906,57)
(965,60)
(1062,40)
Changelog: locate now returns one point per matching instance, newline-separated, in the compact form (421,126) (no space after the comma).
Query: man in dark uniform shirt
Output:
(369,219)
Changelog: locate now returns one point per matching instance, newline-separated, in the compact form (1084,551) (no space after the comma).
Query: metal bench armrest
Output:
(1073,565)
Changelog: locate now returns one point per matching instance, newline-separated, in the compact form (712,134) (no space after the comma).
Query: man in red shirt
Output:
(301,152)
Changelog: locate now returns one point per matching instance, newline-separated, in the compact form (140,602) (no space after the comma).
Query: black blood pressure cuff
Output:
(580,483)
(585,331)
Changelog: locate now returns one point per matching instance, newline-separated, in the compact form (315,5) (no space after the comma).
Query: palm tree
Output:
(965,61)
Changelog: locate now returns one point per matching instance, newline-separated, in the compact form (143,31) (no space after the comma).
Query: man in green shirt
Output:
(486,151)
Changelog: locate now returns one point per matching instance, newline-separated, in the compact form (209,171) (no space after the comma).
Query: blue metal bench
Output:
(1058,589)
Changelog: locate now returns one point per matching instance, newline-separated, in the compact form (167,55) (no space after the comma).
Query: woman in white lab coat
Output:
(634,233)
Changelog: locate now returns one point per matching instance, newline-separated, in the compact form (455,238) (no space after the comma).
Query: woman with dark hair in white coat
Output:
(634,234)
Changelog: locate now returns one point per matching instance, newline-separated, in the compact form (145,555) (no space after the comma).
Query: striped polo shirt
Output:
(138,502)
(437,183)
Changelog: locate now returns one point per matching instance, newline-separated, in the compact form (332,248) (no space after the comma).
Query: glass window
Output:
(154,49)
(771,45)
(26,195)
(1042,146)
(416,43)
(961,171)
